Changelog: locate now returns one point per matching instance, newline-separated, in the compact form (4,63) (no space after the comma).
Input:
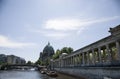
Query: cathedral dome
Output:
(48,50)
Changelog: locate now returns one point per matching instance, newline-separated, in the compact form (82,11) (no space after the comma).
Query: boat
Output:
(52,73)
(42,72)
(32,69)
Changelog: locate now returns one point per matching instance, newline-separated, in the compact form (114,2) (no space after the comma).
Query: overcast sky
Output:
(26,26)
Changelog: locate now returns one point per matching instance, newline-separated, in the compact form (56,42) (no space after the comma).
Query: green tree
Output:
(70,50)
(29,62)
(67,50)
(56,55)
(64,50)
(38,62)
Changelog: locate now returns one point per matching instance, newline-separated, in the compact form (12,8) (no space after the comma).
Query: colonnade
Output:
(107,54)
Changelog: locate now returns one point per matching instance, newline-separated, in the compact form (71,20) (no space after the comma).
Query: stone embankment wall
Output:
(92,72)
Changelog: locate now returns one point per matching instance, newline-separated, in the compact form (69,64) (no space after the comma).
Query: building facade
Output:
(104,52)
(11,59)
(3,58)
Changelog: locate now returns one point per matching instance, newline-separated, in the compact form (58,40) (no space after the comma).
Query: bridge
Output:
(98,60)
(20,66)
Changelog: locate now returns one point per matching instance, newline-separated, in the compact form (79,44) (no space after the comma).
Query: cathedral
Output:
(47,53)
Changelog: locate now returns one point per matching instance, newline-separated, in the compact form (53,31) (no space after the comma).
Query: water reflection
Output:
(28,74)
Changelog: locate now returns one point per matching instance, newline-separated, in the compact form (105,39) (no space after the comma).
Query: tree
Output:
(56,55)
(70,50)
(29,62)
(64,50)
(38,62)
(67,50)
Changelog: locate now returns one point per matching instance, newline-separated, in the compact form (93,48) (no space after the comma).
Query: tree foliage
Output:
(56,55)
(38,62)
(29,62)
(67,50)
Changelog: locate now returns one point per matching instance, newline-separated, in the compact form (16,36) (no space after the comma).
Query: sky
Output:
(26,26)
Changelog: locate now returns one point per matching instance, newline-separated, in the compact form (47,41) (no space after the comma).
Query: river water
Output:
(29,74)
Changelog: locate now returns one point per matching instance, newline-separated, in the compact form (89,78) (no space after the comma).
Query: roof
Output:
(48,49)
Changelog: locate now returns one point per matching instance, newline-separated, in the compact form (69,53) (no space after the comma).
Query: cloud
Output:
(52,34)
(63,24)
(57,35)
(60,28)
(6,42)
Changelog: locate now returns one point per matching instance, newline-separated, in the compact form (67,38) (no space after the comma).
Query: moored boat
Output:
(52,73)
(42,72)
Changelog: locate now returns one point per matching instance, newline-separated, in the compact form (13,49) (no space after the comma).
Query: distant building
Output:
(47,53)
(11,59)
(3,58)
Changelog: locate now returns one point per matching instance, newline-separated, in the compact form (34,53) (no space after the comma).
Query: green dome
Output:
(48,50)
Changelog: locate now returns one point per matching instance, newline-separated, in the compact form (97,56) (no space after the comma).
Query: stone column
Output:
(60,63)
(100,58)
(71,61)
(56,64)
(67,62)
(88,58)
(74,60)
(108,51)
(77,60)
(118,50)
(64,62)
(93,57)
(83,59)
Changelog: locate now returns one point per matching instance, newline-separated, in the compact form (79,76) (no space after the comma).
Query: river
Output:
(29,74)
